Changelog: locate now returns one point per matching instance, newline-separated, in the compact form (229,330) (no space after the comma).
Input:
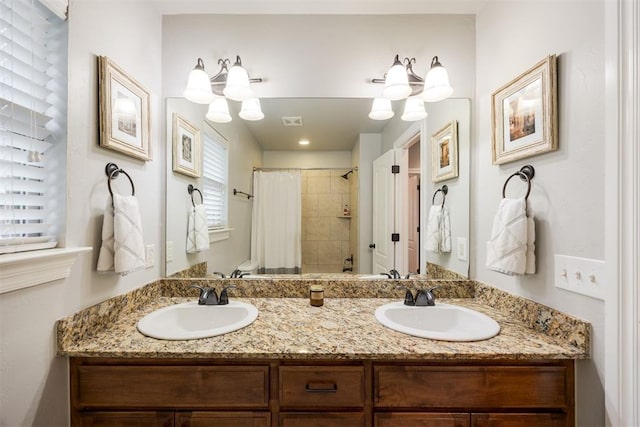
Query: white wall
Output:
(307,159)
(335,55)
(34,381)
(568,191)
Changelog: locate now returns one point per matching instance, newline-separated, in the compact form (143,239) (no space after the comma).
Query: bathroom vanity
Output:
(299,365)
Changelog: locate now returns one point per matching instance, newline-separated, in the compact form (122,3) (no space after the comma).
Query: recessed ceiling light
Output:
(303,142)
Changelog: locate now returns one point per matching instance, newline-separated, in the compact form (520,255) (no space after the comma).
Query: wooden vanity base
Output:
(297,393)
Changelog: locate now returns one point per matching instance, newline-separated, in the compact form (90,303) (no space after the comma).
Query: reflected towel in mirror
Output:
(438,239)
(197,230)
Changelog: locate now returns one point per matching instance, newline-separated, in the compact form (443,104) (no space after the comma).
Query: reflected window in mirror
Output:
(215,178)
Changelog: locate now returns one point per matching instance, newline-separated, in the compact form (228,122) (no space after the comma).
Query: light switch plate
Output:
(462,249)
(150,254)
(580,275)
(169,251)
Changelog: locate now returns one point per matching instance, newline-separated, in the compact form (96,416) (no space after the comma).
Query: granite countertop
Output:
(342,329)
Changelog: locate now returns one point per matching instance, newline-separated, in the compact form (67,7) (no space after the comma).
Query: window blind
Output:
(32,122)
(215,172)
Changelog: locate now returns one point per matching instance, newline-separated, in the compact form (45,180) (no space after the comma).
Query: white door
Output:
(383,210)
(389,201)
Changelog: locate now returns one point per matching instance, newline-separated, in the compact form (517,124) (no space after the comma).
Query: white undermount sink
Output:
(444,322)
(190,321)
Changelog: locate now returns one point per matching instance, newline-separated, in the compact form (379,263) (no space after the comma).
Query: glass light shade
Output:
(436,85)
(251,110)
(218,110)
(396,83)
(237,87)
(381,109)
(198,88)
(413,109)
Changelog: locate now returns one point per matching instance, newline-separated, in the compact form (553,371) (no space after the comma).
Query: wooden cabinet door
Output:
(328,419)
(421,419)
(519,420)
(223,419)
(122,418)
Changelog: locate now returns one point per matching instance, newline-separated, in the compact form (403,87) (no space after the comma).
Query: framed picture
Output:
(187,151)
(444,153)
(524,114)
(124,111)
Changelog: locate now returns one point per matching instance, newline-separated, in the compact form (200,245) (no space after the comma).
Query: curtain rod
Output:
(302,169)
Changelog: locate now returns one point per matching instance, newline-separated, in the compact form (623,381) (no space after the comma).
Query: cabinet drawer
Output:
(518,420)
(223,419)
(471,387)
(138,419)
(177,387)
(421,419)
(327,419)
(322,386)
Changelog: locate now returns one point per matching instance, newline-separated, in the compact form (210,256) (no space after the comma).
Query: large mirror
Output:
(337,170)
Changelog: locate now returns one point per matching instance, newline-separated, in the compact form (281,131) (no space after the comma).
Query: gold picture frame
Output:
(124,106)
(524,114)
(187,148)
(444,153)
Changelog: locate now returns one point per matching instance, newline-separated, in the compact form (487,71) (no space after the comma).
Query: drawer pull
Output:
(321,387)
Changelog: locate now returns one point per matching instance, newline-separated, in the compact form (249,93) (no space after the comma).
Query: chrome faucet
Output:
(393,273)
(423,298)
(222,276)
(209,296)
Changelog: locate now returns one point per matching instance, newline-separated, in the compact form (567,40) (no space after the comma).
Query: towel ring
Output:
(190,190)
(444,190)
(112,170)
(526,173)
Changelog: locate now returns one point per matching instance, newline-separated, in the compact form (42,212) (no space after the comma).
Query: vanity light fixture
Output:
(402,83)
(303,141)
(229,83)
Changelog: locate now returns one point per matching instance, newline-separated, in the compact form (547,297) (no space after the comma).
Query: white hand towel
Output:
(438,238)
(445,231)
(122,249)
(105,257)
(197,230)
(433,235)
(510,250)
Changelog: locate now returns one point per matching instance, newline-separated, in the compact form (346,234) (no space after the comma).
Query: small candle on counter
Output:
(316,295)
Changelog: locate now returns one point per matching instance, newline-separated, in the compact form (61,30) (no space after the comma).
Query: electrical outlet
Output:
(462,249)
(580,275)
(150,254)
(169,251)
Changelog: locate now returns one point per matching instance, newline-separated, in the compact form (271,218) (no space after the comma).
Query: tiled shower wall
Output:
(325,229)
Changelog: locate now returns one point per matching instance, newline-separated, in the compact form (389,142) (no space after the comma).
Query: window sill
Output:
(25,269)
(219,234)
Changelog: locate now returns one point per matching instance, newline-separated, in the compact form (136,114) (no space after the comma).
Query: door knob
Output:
(372,245)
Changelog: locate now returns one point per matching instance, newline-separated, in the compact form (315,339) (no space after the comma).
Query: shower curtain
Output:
(276,236)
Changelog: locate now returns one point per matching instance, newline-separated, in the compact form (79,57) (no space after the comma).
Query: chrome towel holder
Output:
(526,173)
(190,190)
(112,170)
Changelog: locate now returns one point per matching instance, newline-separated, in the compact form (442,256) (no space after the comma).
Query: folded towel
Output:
(438,237)
(197,230)
(122,249)
(511,248)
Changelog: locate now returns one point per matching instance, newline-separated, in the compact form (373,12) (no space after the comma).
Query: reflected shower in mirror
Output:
(336,186)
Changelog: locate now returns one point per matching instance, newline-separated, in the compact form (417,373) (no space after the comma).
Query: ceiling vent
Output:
(292,121)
